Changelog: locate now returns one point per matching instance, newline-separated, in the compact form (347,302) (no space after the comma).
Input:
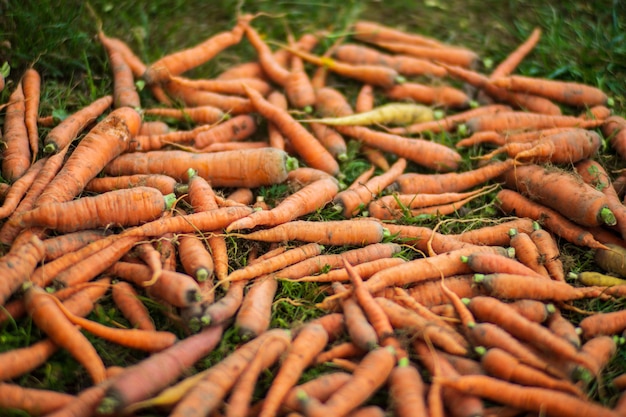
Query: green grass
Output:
(581,41)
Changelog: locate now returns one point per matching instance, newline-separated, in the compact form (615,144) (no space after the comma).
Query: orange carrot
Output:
(406,389)
(349,201)
(304,201)
(341,350)
(561,326)
(507,286)
(163,183)
(16,155)
(510,201)
(197,115)
(18,264)
(103,143)
(124,90)
(148,377)
(56,246)
(503,365)
(409,66)
(517,120)
(19,188)
(549,252)
(178,289)
(336,233)
(443,96)
(606,323)
(226,307)
(321,388)
(187,59)
(547,187)
(370,31)
(224,86)
(414,183)
(307,343)
(614,129)
(600,349)
(360,330)
(255,312)
(124,207)
(447,54)
(271,66)
(304,143)
(330,139)
(145,143)
(153,127)
(31,85)
(238,128)
(527,398)
(65,132)
(488,263)
(191,97)
(510,63)
(527,252)
(127,300)
(566,92)
(195,257)
(48,317)
(32,401)
(246,168)
(19,361)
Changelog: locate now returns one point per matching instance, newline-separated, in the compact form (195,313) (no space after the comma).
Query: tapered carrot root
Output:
(32,401)
(614,128)
(512,286)
(255,312)
(18,265)
(238,128)
(16,155)
(127,300)
(444,96)
(511,121)
(31,86)
(610,323)
(247,168)
(197,115)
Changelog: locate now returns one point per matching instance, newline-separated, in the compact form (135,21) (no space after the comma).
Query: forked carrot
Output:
(65,132)
(48,317)
(182,61)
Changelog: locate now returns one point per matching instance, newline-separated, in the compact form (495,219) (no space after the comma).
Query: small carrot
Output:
(255,312)
(549,251)
(566,92)
(336,233)
(516,120)
(527,252)
(614,128)
(20,188)
(48,317)
(341,350)
(513,59)
(187,59)
(196,115)
(19,361)
(124,90)
(370,31)
(365,269)
(362,333)
(127,300)
(510,201)
(153,127)
(488,263)
(191,97)
(307,343)
(124,207)
(246,168)
(271,66)
(16,155)
(31,85)
(65,132)
(350,201)
(601,349)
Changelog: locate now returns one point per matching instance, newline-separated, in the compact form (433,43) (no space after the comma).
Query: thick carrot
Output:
(600,349)
(19,361)
(429,293)
(146,378)
(406,389)
(527,252)
(237,128)
(335,233)
(32,401)
(255,312)
(557,189)
(127,300)
(125,207)
(510,201)
(16,155)
(517,120)
(65,132)
(409,66)
(440,96)
(50,319)
(224,308)
(31,86)
(513,59)
(197,115)
(369,375)
(403,297)
(566,92)
(298,87)
(550,402)
(184,60)
(108,139)
(18,264)
(243,168)
(350,201)
(607,323)
(489,263)
(311,197)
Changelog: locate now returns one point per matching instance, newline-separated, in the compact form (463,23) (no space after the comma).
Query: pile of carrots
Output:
(115,199)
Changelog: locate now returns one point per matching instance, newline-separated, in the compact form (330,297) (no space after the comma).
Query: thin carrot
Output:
(242,168)
(527,398)
(307,343)
(125,93)
(16,155)
(510,201)
(31,85)
(224,308)
(237,128)
(549,252)
(127,300)
(32,401)
(197,115)
(566,92)
(441,96)
(191,97)
(182,61)
(19,188)
(561,326)
(103,143)
(48,317)
(403,297)
(311,197)
(163,183)
(513,59)
(254,315)
(151,375)
(304,143)
(370,31)
(224,86)
(18,264)
(488,263)
(614,128)
(270,65)
(362,333)
(365,269)
(336,233)
(341,350)
(65,132)
(517,120)
(607,323)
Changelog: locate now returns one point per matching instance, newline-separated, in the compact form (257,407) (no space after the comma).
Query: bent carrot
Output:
(48,317)
(65,132)
(19,188)
(271,66)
